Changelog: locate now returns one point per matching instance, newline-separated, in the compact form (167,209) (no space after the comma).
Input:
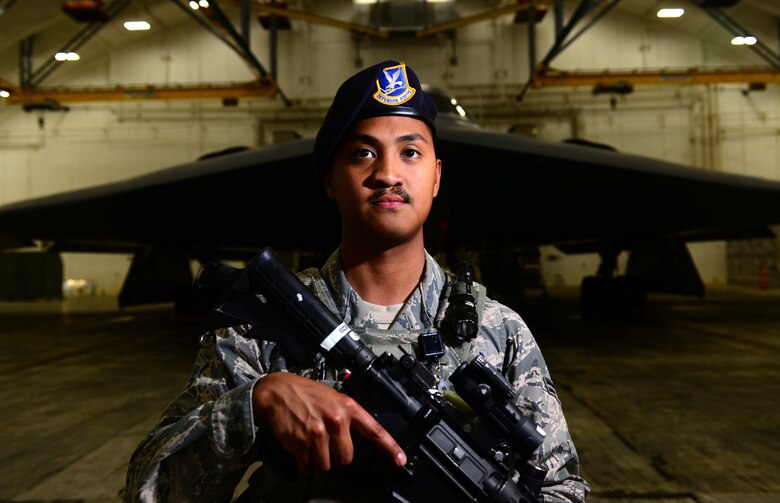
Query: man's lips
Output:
(389,201)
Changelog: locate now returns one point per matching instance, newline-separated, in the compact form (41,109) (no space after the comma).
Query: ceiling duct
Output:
(404,17)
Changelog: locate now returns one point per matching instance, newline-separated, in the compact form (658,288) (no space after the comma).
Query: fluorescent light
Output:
(137,25)
(4,94)
(66,56)
(460,111)
(203,3)
(668,13)
(749,40)
(364,2)
(194,5)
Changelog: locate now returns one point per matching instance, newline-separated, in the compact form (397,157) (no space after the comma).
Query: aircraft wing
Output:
(510,190)
(498,191)
(224,205)
(498,188)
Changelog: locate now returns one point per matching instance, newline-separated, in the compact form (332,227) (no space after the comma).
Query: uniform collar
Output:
(417,313)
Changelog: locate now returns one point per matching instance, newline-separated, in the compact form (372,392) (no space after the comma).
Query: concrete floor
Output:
(678,403)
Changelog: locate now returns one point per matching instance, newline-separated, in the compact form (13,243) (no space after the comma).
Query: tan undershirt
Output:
(383,315)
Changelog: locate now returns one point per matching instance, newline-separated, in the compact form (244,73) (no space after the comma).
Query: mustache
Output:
(392,191)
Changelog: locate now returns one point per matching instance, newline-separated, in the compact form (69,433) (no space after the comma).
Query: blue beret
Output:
(387,88)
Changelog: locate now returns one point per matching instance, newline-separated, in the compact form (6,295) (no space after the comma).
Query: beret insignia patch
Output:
(393,87)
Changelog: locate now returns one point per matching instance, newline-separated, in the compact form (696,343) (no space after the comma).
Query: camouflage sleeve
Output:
(537,395)
(205,440)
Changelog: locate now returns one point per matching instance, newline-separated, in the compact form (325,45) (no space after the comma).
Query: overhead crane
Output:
(559,78)
(541,75)
(263,87)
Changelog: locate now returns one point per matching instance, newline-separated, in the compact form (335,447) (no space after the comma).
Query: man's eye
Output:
(364,153)
(410,153)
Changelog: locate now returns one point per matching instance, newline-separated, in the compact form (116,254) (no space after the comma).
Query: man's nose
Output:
(387,171)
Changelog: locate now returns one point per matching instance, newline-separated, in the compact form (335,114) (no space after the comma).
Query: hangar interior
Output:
(680,89)
(720,125)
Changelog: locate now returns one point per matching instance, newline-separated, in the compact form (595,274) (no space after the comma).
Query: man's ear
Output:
(328,182)
(438,178)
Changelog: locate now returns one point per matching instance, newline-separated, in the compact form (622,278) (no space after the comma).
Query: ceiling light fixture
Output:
(67,56)
(194,5)
(749,40)
(137,25)
(670,13)
(4,93)
(203,3)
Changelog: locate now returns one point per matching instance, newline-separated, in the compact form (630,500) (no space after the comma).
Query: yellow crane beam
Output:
(556,78)
(260,88)
(476,18)
(327,21)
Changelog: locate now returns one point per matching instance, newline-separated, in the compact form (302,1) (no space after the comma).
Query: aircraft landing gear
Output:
(605,293)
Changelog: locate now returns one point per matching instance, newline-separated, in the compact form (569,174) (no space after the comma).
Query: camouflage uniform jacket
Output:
(206,438)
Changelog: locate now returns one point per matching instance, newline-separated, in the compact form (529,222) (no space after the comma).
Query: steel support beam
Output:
(25,61)
(731,25)
(584,7)
(558,12)
(225,23)
(580,12)
(233,40)
(245,49)
(77,41)
(205,25)
(585,28)
(532,43)
(245,21)
(273,32)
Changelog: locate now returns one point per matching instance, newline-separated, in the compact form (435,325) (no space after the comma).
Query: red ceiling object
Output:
(537,11)
(282,23)
(85,11)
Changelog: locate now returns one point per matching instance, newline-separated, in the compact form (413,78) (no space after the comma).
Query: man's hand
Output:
(313,422)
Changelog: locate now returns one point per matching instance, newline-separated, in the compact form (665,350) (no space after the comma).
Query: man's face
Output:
(384,176)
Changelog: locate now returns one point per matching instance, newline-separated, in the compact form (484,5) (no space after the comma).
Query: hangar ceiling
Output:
(51,27)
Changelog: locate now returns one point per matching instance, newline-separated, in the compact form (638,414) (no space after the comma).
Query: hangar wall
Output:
(712,127)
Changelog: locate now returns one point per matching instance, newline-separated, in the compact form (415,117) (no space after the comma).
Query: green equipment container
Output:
(30,276)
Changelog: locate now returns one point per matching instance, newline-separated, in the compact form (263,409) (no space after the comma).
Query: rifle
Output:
(452,455)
